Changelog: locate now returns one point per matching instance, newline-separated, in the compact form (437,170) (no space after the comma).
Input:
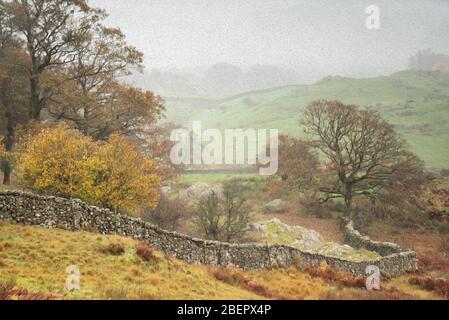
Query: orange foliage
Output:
(8,291)
(330,275)
(67,163)
(439,285)
(146,253)
(435,262)
(120,177)
(233,276)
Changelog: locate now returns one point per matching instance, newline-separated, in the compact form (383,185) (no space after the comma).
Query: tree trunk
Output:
(35,108)
(348,200)
(6,168)
(8,143)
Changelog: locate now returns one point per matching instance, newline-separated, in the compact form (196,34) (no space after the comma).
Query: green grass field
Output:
(417,103)
(192,178)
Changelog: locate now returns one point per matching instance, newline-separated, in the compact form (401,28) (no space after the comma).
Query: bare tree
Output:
(208,215)
(168,213)
(365,153)
(224,217)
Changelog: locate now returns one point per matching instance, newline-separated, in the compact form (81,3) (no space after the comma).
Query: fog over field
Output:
(224,150)
(232,63)
(311,38)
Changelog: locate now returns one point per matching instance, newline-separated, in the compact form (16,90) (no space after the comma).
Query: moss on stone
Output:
(276,232)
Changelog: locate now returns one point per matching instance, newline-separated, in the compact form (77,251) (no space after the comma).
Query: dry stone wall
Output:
(74,215)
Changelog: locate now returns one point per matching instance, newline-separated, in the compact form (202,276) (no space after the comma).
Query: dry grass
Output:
(236,277)
(432,256)
(114,249)
(36,260)
(439,285)
(292,284)
(146,253)
(434,263)
(424,242)
(9,291)
(328,274)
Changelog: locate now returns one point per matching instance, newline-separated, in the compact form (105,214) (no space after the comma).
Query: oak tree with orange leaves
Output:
(297,163)
(365,153)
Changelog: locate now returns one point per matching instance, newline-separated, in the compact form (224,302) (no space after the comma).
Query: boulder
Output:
(277,206)
(198,190)
(276,232)
(166,189)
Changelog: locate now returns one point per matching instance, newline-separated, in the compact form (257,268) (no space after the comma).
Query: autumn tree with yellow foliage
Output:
(112,174)
(120,177)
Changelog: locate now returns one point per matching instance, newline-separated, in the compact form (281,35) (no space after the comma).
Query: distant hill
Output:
(417,102)
(217,81)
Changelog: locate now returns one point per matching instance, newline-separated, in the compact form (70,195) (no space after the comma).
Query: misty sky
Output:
(327,36)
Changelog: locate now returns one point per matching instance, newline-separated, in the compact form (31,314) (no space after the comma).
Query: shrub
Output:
(312,206)
(224,217)
(443,228)
(391,293)
(276,188)
(432,263)
(444,245)
(235,278)
(444,172)
(52,161)
(167,213)
(114,249)
(439,285)
(120,177)
(401,211)
(328,274)
(66,163)
(146,253)
(434,198)
(9,291)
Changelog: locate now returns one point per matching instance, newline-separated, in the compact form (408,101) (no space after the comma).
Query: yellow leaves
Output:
(434,198)
(121,176)
(3,152)
(52,160)
(112,174)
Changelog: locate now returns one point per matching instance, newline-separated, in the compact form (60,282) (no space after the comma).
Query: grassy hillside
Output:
(416,102)
(33,261)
